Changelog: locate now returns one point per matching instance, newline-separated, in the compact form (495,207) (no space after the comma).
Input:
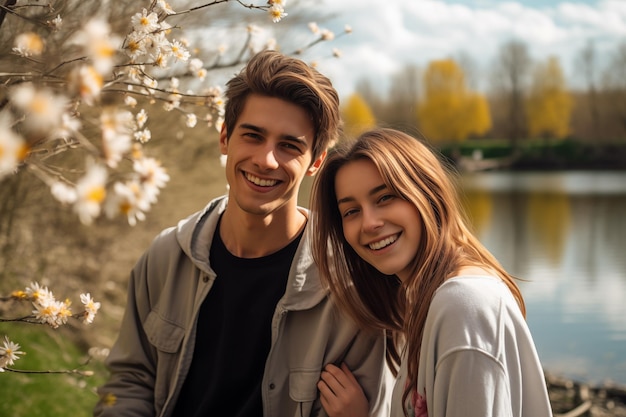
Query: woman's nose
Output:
(371,220)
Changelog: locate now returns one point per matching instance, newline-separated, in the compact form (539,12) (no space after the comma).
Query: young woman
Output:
(394,249)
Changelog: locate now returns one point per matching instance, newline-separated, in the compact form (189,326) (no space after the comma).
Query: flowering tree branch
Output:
(76,371)
(40,110)
(83,93)
(108,76)
(47,310)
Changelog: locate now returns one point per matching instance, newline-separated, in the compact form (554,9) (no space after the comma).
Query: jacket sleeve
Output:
(129,392)
(366,360)
(470,383)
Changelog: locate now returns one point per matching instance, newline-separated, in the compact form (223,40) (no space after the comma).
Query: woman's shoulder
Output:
(471,297)
(471,312)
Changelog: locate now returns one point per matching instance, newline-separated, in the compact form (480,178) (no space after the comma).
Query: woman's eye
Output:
(349,212)
(386,197)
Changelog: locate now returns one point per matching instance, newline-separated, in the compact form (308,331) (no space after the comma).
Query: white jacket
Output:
(477,358)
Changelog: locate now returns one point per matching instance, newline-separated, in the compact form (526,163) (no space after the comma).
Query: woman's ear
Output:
(315,166)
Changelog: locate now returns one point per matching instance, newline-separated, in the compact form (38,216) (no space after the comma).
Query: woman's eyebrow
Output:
(372,192)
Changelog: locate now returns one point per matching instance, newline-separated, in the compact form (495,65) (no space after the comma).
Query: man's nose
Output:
(266,158)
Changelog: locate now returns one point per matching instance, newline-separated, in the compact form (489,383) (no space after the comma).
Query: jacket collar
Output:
(195,234)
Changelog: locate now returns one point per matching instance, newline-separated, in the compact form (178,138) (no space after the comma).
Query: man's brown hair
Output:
(272,74)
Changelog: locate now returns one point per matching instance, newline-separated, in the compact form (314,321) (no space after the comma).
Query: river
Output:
(565,234)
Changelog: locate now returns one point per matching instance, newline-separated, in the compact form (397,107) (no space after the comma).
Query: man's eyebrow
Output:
(372,192)
(252,127)
(291,138)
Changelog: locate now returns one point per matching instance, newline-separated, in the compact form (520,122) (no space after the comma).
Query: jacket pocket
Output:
(303,385)
(162,334)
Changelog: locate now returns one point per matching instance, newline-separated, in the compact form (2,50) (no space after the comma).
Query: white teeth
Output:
(382,243)
(260,182)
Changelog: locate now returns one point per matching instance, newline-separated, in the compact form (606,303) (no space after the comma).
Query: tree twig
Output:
(6,8)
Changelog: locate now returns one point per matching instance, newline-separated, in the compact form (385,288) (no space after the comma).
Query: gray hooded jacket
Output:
(151,358)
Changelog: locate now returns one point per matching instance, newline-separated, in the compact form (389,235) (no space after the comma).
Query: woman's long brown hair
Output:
(377,301)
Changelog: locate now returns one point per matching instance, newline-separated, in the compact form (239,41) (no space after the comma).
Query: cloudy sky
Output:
(388,34)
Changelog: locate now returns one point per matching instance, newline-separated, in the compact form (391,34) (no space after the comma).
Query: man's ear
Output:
(315,166)
(223,140)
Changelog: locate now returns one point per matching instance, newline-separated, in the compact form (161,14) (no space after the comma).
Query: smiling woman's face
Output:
(383,228)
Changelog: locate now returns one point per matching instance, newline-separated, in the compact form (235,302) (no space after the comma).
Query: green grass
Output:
(47,395)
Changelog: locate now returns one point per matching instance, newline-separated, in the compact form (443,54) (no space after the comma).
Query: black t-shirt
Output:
(234,333)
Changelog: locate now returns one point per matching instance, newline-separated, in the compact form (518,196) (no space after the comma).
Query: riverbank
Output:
(577,399)
(481,155)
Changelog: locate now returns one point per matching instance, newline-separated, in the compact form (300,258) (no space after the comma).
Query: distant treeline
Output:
(526,108)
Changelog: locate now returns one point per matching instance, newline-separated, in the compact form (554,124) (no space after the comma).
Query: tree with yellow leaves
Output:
(549,105)
(357,115)
(449,110)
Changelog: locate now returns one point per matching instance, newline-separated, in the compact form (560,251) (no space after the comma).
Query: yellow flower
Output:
(19,295)
(109,399)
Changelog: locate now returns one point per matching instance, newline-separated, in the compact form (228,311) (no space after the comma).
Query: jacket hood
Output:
(195,234)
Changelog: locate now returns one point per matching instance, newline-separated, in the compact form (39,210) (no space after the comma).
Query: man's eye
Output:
(291,146)
(252,135)
(349,213)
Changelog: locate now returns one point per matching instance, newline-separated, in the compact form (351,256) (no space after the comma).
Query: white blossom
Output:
(42,107)
(163,6)
(9,353)
(117,127)
(28,44)
(130,101)
(143,136)
(63,192)
(145,22)
(141,118)
(152,177)
(13,147)
(99,44)
(91,307)
(191,120)
(276,12)
(91,192)
(87,82)
(55,23)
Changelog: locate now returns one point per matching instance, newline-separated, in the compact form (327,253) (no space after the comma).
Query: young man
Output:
(226,315)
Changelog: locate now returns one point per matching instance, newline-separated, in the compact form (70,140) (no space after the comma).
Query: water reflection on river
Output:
(566,234)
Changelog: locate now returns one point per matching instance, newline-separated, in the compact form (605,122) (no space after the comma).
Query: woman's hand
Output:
(341,394)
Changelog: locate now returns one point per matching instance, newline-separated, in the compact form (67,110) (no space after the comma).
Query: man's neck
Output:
(252,236)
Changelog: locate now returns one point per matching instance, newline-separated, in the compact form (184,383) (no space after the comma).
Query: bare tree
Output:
(470,70)
(511,79)
(614,79)
(587,64)
(401,109)
(365,88)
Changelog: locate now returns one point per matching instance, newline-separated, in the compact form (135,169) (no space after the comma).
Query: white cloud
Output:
(389,34)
